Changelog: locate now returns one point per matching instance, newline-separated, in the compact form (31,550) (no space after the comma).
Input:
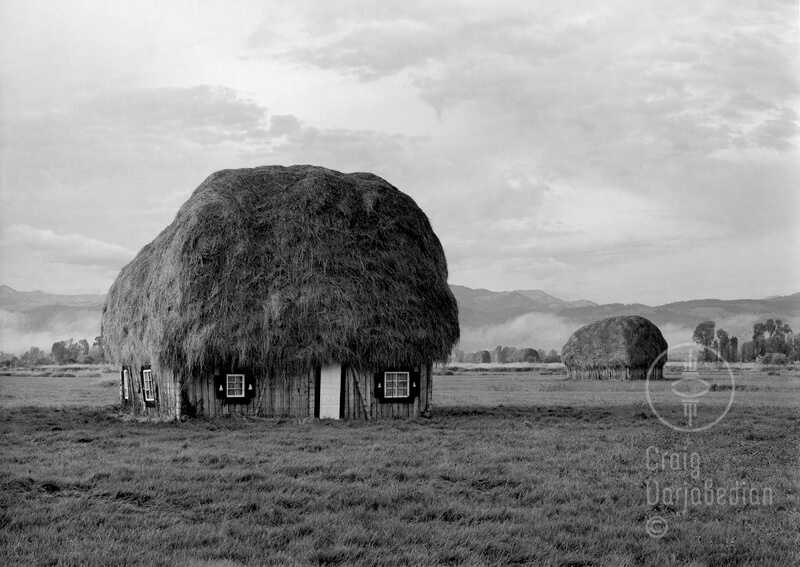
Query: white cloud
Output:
(35,258)
(71,249)
(578,147)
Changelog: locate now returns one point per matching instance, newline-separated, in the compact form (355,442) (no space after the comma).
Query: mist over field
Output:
(533,319)
(547,331)
(20,331)
(532,330)
(521,319)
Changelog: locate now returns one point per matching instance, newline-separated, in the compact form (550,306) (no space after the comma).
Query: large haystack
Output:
(621,348)
(281,270)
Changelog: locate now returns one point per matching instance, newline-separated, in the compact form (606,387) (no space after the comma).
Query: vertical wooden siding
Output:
(360,401)
(283,395)
(280,396)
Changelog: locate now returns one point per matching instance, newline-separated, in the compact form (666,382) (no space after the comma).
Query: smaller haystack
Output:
(618,348)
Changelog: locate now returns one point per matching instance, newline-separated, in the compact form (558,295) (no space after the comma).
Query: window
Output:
(235,386)
(147,386)
(126,380)
(396,385)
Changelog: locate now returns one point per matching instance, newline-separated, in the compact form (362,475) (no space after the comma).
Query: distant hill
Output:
(20,300)
(37,318)
(480,307)
(533,318)
(521,318)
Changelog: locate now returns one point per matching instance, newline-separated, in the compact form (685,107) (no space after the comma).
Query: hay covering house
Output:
(295,291)
(618,348)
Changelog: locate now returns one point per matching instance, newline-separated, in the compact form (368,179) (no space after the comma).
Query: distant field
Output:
(96,386)
(514,468)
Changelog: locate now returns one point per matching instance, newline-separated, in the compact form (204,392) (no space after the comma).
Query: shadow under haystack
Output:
(617,348)
(285,291)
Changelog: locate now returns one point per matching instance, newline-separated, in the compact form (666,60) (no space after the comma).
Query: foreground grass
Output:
(543,485)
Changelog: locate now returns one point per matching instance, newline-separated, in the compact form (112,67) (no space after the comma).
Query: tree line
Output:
(67,351)
(773,343)
(504,355)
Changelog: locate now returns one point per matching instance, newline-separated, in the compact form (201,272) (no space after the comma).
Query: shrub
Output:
(778,358)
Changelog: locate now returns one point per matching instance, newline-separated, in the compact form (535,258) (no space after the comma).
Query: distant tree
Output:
(777,344)
(781,329)
(33,357)
(552,356)
(497,355)
(481,357)
(67,352)
(8,360)
(507,352)
(98,353)
(704,336)
(759,330)
(75,350)
(775,358)
(749,351)
(723,344)
(525,355)
(84,347)
(60,352)
(734,349)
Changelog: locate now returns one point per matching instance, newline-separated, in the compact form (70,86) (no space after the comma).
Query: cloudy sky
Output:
(623,151)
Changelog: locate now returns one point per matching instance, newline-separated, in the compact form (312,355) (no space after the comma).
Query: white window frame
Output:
(126,383)
(148,387)
(228,393)
(391,384)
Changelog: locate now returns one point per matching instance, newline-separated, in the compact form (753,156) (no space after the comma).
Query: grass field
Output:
(514,468)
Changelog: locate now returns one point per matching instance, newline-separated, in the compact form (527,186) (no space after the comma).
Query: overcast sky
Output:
(619,151)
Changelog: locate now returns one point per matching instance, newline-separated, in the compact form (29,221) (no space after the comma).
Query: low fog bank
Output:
(19,331)
(548,331)
(532,330)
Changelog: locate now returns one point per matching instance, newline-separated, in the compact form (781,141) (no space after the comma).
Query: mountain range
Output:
(521,318)
(481,307)
(490,318)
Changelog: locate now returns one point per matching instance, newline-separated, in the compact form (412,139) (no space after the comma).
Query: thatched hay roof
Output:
(616,342)
(286,268)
